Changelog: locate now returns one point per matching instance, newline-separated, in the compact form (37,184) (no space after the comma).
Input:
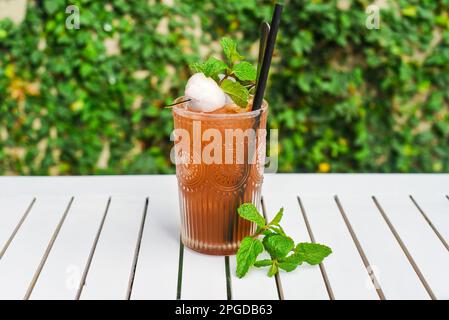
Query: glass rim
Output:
(251,114)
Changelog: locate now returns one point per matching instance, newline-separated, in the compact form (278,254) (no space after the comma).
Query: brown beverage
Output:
(213,182)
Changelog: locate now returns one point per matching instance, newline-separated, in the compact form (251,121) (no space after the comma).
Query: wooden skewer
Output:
(175,104)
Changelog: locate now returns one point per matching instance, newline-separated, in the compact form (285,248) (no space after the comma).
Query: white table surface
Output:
(117,237)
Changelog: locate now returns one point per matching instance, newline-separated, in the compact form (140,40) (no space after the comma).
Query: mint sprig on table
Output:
(236,77)
(283,252)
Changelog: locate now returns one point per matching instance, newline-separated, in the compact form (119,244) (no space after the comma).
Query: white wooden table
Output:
(118,238)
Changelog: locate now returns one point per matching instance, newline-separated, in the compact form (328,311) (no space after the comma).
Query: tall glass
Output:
(210,191)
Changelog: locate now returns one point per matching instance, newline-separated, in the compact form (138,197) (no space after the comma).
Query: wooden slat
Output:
(347,274)
(357,184)
(60,278)
(157,267)
(13,211)
(300,183)
(424,246)
(203,277)
(111,267)
(393,271)
(435,209)
(307,281)
(125,185)
(26,251)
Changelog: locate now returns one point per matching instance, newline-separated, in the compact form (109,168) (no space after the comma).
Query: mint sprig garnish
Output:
(230,50)
(245,71)
(283,252)
(235,76)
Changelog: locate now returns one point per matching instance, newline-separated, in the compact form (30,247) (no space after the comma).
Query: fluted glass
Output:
(209,194)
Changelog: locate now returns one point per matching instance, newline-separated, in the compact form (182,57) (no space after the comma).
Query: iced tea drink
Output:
(219,166)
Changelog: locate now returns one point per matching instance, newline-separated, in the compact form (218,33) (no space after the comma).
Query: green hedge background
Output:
(345,98)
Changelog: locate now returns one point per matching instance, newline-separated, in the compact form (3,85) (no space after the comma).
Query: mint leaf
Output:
(248,211)
(313,253)
(267,232)
(277,218)
(211,68)
(287,266)
(238,93)
(230,50)
(245,71)
(197,67)
(247,254)
(263,231)
(263,263)
(291,262)
(278,229)
(273,269)
(278,246)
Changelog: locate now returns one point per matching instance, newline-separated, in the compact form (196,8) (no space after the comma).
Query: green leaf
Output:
(263,231)
(313,253)
(248,211)
(291,262)
(247,254)
(278,246)
(277,218)
(267,232)
(278,229)
(286,266)
(238,93)
(211,68)
(273,269)
(197,67)
(245,71)
(263,263)
(230,50)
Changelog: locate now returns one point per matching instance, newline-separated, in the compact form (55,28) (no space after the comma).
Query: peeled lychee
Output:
(205,94)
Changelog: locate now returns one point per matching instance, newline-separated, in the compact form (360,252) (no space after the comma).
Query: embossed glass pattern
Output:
(210,194)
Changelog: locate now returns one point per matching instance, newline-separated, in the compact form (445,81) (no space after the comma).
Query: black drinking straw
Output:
(264,70)
(264,32)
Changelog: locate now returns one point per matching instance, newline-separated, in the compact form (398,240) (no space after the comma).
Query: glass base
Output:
(219,250)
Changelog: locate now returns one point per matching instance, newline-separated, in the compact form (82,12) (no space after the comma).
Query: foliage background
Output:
(345,98)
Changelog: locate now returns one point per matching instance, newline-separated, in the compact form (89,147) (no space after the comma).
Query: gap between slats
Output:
(360,250)
(47,251)
(180,266)
(312,238)
(92,252)
(429,222)
(228,278)
(137,250)
(17,228)
(277,277)
(404,249)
